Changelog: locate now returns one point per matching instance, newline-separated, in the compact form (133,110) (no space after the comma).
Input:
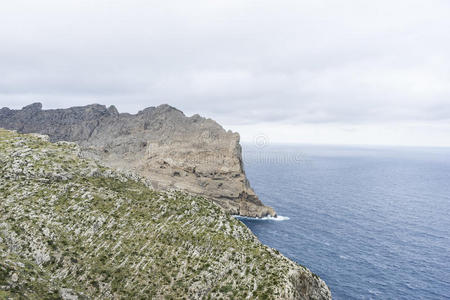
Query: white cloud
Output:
(373,66)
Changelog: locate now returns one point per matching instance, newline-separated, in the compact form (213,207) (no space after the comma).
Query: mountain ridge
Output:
(193,154)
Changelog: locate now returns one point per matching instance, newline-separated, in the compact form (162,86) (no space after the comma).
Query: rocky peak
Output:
(4,113)
(192,154)
(112,110)
(166,108)
(163,110)
(33,107)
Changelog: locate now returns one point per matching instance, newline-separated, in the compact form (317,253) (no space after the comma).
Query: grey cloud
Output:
(241,62)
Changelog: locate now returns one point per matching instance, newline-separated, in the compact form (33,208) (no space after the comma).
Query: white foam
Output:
(277,218)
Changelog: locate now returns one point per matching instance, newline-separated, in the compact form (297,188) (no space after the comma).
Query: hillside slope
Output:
(73,229)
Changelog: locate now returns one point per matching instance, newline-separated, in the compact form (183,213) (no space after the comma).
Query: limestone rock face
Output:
(192,154)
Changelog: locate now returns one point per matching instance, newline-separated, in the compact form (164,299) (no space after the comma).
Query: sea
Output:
(372,222)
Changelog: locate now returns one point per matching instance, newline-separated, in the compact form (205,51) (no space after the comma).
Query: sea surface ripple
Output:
(373,222)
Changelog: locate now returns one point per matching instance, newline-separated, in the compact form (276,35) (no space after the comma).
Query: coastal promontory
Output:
(72,228)
(173,151)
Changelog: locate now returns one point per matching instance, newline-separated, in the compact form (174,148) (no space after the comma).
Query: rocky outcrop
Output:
(191,154)
(71,228)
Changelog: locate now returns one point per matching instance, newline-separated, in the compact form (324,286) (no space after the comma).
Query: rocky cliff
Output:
(71,228)
(191,154)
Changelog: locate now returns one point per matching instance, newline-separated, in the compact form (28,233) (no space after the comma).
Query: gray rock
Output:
(67,294)
(173,151)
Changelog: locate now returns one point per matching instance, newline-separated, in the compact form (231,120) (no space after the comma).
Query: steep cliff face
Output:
(192,154)
(72,228)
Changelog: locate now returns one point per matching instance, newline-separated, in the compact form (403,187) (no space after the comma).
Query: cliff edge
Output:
(191,154)
(71,228)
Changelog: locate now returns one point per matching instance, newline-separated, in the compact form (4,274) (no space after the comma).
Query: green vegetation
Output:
(69,226)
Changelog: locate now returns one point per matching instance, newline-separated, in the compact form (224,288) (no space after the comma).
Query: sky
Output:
(313,71)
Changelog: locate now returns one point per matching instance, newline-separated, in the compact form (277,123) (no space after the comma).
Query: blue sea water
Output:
(373,222)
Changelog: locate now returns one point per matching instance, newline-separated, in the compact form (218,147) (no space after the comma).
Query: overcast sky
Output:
(315,71)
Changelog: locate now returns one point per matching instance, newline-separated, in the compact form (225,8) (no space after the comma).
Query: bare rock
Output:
(173,151)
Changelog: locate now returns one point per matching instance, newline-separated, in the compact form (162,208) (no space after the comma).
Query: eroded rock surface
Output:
(71,228)
(192,154)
